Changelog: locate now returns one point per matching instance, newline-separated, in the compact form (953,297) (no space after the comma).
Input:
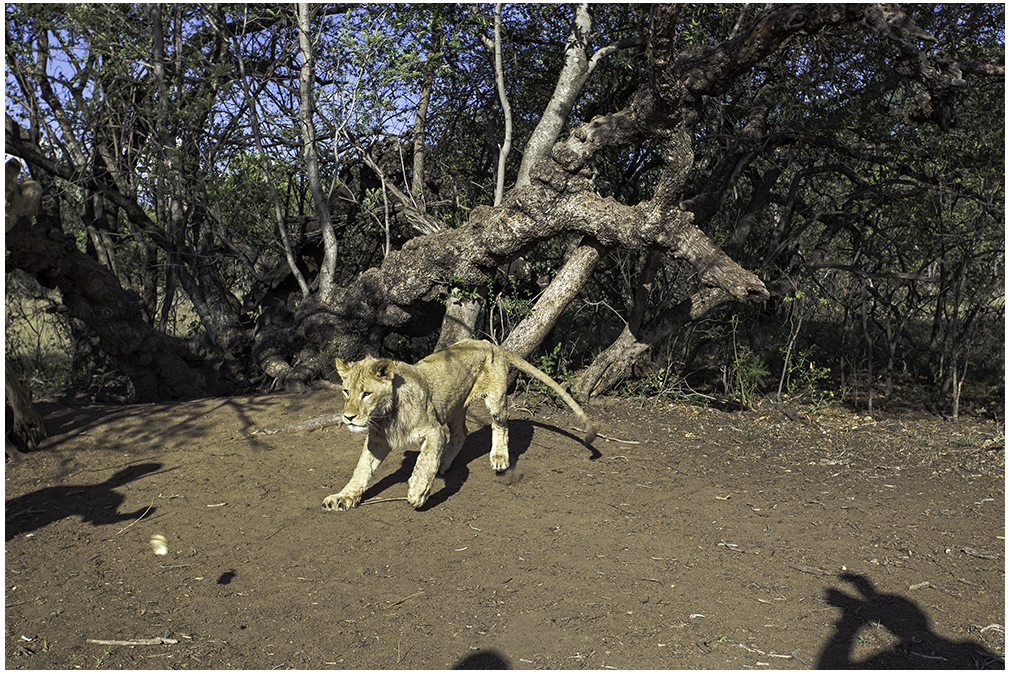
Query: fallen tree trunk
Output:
(404,292)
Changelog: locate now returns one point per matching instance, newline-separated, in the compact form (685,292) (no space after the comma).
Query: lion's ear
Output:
(342,367)
(383,369)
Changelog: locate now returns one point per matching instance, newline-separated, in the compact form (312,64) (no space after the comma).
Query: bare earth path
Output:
(720,540)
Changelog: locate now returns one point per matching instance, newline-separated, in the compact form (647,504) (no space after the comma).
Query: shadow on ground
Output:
(918,646)
(94,504)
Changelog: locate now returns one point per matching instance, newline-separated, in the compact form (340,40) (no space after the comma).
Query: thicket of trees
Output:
(775,197)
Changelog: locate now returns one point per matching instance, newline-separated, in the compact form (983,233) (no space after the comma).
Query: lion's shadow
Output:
(477,447)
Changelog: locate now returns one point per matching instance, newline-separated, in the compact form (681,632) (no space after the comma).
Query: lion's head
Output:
(368,391)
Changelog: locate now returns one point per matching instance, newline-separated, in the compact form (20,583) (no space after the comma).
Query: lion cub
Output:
(402,405)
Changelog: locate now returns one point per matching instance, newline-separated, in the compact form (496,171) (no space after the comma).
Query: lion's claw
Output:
(339,502)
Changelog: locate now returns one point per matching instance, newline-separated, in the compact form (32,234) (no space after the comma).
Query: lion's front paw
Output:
(499,462)
(418,490)
(340,501)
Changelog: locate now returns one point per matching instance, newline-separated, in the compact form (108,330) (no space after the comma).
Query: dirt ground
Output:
(689,538)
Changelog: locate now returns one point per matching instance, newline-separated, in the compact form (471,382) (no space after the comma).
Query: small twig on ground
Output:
(397,603)
(26,511)
(157,641)
(136,520)
(301,426)
(608,438)
(799,659)
(382,500)
(812,570)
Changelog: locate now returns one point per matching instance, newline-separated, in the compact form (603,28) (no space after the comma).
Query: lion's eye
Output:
(347,394)
(365,394)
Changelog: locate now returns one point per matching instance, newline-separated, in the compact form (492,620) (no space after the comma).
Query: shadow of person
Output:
(483,659)
(96,504)
(918,647)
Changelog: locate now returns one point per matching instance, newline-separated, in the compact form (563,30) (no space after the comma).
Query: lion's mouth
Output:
(357,428)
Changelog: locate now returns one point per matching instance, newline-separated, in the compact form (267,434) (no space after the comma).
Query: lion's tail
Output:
(533,371)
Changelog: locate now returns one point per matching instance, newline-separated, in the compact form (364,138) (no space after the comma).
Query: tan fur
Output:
(402,405)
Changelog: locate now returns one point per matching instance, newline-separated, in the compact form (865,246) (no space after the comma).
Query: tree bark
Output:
(578,66)
(306,112)
(565,286)
(499,79)
(461,314)
(420,150)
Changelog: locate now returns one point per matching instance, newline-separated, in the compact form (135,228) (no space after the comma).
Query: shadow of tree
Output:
(95,504)
(919,647)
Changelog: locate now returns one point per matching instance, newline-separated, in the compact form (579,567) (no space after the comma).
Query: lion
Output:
(402,405)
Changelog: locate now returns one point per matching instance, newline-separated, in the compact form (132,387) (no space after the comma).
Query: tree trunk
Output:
(578,66)
(159,366)
(576,71)
(499,79)
(420,150)
(27,426)
(528,335)
(306,113)
(461,314)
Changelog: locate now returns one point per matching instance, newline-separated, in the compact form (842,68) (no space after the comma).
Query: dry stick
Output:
(383,500)
(157,641)
(136,520)
(397,603)
(301,426)
(794,656)
(608,438)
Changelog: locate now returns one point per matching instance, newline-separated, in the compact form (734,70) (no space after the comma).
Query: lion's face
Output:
(368,391)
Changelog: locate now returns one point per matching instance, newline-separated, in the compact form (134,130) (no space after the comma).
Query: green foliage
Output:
(804,376)
(746,371)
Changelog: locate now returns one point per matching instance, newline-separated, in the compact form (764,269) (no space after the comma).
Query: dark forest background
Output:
(853,162)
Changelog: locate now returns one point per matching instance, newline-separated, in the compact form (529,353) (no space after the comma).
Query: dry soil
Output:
(688,538)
